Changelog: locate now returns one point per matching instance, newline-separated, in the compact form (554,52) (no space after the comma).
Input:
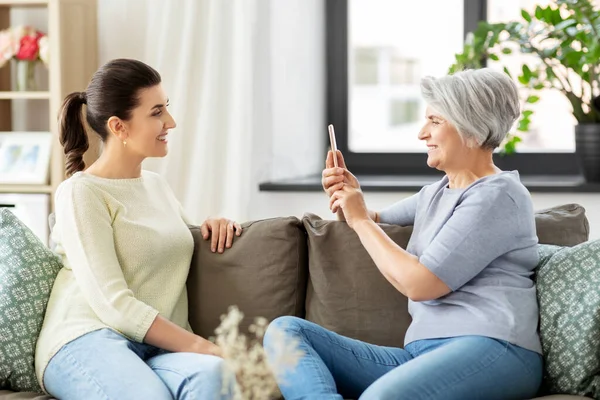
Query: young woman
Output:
(116,326)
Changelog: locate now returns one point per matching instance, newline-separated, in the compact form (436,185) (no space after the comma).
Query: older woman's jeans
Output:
(461,368)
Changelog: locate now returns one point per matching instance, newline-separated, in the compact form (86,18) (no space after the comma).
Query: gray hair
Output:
(482,104)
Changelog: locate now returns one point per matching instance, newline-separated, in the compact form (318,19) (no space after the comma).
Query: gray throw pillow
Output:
(27,272)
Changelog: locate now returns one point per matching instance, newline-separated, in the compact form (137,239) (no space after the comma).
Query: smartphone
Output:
(333,144)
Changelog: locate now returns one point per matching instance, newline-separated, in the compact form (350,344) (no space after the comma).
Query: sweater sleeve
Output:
(89,245)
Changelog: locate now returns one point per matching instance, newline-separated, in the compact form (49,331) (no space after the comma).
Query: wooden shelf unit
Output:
(41,95)
(27,189)
(24,3)
(73,38)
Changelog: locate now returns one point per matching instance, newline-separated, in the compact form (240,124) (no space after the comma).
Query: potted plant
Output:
(564,41)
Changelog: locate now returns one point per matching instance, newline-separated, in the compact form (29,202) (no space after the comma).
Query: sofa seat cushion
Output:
(27,272)
(567,281)
(8,395)
(264,273)
(555,397)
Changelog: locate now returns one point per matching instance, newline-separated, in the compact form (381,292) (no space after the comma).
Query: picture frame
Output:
(25,157)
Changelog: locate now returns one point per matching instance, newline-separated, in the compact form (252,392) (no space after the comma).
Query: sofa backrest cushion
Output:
(264,273)
(564,225)
(347,293)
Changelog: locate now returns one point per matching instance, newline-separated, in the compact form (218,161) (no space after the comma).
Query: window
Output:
(404,43)
(553,125)
(377,53)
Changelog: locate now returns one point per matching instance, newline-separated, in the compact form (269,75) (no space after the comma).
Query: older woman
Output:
(467,268)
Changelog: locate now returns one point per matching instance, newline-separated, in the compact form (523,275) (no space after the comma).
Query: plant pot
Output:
(587,148)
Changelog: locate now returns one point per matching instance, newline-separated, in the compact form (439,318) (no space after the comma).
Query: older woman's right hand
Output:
(335,178)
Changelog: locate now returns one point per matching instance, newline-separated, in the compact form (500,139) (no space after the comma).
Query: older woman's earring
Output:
(124,143)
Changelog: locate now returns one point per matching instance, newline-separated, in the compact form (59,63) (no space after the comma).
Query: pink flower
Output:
(29,48)
(44,44)
(9,46)
(23,43)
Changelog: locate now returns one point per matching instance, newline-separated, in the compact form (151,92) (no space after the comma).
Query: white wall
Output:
(289,108)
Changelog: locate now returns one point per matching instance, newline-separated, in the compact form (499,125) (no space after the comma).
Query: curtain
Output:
(204,51)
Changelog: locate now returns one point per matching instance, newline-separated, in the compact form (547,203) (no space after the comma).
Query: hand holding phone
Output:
(333,144)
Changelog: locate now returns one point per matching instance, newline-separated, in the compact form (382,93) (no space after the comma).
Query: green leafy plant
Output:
(564,40)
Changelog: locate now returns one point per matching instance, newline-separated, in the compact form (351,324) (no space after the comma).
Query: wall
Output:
(289,107)
(297,86)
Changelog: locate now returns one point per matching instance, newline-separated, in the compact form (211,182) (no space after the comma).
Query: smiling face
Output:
(445,147)
(149,125)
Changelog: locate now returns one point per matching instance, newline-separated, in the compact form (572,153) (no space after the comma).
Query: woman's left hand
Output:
(352,203)
(221,232)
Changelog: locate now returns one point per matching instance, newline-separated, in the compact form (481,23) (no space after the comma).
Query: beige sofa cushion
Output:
(564,225)
(346,292)
(264,273)
(8,395)
(562,397)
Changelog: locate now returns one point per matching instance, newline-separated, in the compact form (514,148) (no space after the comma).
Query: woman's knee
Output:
(188,365)
(288,325)
(279,331)
(189,375)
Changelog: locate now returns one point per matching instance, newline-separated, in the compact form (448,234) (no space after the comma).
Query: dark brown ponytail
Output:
(72,135)
(113,91)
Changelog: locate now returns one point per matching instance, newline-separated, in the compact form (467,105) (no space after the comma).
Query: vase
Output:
(25,76)
(587,147)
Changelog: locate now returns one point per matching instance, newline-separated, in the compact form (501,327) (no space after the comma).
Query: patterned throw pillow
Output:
(27,272)
(568,287)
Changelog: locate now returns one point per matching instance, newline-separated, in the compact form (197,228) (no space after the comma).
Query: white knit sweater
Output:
(126,251)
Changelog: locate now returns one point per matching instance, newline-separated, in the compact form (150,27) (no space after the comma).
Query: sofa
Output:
(318,270)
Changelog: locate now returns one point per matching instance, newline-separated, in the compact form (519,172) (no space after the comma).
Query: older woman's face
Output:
(445,147)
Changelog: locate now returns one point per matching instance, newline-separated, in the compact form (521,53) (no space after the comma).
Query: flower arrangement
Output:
(247,374)
(27,46)
(23,43)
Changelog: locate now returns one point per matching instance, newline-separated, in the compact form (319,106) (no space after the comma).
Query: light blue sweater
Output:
(480,241)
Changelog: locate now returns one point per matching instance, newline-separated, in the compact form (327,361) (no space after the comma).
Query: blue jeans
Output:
(105,365)
(462,368)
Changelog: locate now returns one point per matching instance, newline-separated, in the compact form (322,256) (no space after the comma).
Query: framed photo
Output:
(25,157)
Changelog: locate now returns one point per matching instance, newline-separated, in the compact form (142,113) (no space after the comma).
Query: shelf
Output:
(24,3)
(4,95)
(43,189)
